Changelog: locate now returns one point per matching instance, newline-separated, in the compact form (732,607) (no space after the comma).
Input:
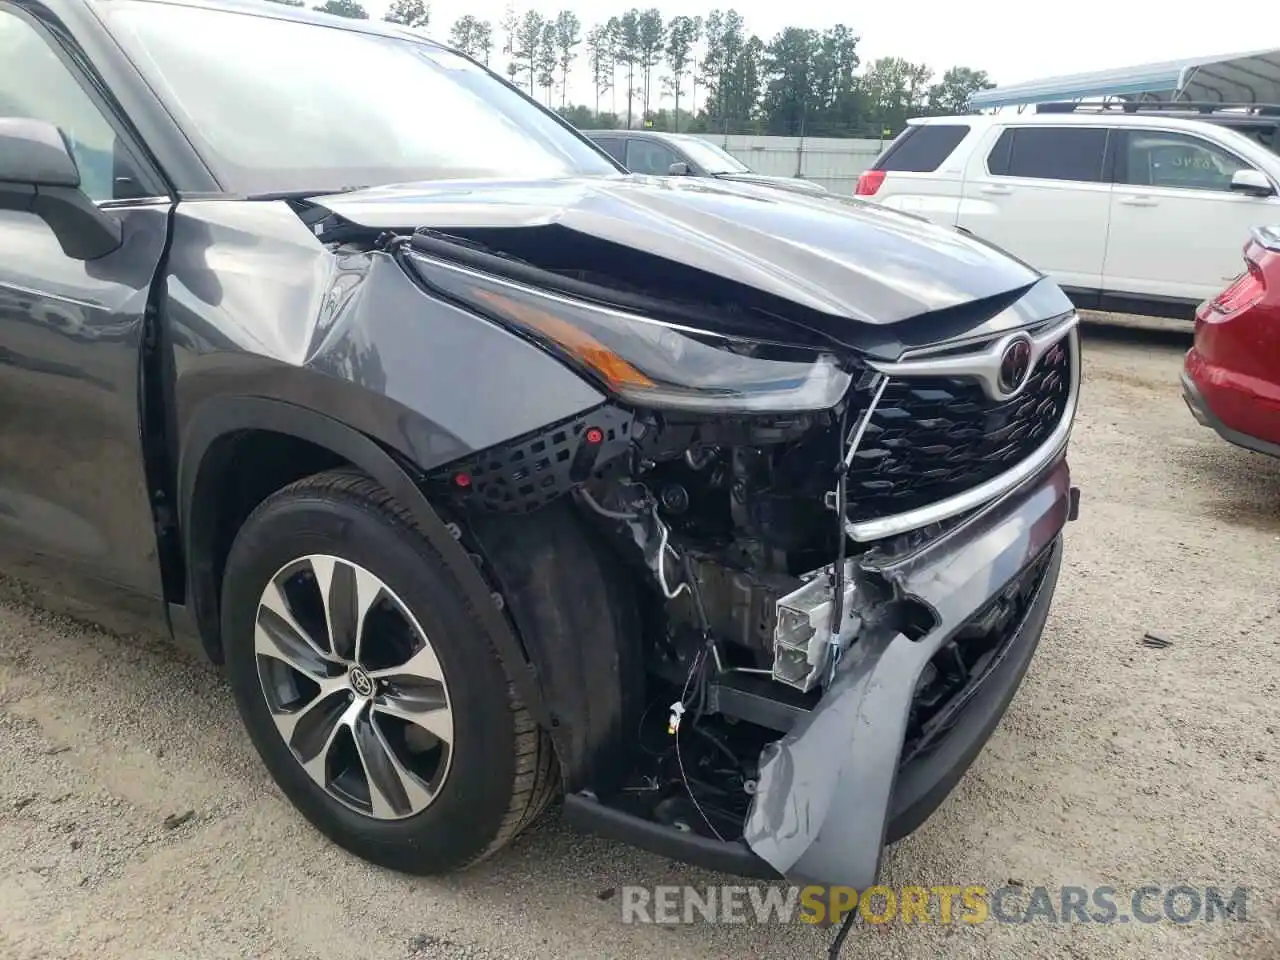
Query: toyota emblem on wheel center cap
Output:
(360,682)
(1015,365)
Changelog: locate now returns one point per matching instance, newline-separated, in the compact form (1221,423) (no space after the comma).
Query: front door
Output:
(1177,227)
(74,505)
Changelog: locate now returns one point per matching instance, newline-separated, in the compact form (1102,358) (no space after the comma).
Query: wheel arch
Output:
(204,455)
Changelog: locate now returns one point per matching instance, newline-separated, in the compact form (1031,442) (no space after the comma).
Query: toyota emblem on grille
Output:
(1015,365)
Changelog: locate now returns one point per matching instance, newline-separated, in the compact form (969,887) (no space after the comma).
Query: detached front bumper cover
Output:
(833,790)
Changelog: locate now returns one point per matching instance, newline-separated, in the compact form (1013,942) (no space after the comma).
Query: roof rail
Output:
(1173,106)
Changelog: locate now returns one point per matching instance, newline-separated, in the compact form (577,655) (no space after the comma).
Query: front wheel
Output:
(369,686)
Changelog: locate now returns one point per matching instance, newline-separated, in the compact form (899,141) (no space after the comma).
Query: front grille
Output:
(931,438)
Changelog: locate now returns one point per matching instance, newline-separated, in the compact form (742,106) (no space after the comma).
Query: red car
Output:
(1231,377)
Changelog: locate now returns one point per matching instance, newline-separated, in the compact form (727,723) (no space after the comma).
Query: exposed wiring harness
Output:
(693,699)
(698,680)
(664,536)
(694,695)
(844,462)
(836,580)
(594,504)
(664,539)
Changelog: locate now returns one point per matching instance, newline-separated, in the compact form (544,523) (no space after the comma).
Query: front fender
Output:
(267,329)
(256,306)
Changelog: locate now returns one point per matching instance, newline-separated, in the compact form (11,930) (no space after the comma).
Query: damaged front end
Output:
(840,555)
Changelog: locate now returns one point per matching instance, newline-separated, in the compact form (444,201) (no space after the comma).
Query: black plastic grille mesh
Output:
(933,437)
(526,473)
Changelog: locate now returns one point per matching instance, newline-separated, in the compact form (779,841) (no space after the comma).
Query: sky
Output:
(1013,40)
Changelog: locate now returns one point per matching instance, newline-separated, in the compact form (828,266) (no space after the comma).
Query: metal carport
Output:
(1228,78)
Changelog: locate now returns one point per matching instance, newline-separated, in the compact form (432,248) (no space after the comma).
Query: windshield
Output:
(279,106)
(711,158)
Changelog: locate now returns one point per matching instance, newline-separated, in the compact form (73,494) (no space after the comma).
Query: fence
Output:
(834,163)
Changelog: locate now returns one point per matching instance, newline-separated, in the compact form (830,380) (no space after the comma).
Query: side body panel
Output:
(1060,226)
(74,504)
(936,195)
(1178,241)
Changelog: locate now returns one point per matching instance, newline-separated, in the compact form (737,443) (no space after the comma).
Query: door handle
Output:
(994,190)
(1139,201)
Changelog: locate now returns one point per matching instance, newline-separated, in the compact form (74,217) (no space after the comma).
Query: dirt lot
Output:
(1117,764)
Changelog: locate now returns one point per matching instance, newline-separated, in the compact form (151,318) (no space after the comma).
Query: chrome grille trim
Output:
(978,366)
(982,365)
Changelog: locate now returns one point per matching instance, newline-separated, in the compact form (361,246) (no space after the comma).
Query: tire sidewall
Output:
(463,819)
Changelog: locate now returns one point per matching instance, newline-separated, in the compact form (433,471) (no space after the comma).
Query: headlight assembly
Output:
(652,363)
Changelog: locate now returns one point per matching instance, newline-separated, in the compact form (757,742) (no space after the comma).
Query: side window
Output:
(1050,153)
(37,85)
(1152,158)
(922,148)
(649,156)
(613,147)
(998,158)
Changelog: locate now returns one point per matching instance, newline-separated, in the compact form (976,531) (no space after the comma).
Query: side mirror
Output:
(39,175)
(1252,182)
(678,169)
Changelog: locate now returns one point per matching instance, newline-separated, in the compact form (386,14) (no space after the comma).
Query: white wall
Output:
(834,163)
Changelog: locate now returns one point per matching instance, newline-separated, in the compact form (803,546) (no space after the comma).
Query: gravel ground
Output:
(135,821)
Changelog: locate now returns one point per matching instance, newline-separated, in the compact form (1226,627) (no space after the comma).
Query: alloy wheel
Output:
(354,687)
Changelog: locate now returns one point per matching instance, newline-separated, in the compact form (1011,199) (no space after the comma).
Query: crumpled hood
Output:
(838,256)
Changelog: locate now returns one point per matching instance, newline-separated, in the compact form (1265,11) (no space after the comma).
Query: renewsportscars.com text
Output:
(971,904)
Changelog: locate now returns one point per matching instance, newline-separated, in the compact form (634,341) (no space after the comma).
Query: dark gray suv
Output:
(489,471)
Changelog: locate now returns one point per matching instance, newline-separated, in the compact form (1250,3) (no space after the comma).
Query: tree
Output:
(409,13)
(546,59)
(462,35)
(600,60)
(510,24)
(896,89)
(627,53)
(841,104)
(958,85)
(742,81)
(722,77)
(483,40)
(695,64)
(568,30)
(612,44)
(726,42)
(528,37)
(682,32)
(651,34)
(789,65)
(344,8)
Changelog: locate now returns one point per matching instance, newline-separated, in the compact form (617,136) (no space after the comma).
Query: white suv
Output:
(1127,211)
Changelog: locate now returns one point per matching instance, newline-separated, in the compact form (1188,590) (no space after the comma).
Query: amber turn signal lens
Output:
(615,371)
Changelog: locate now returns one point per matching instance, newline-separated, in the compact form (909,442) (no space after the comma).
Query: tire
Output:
(493,776)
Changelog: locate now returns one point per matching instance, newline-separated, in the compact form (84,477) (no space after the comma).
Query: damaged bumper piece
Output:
(873,757)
